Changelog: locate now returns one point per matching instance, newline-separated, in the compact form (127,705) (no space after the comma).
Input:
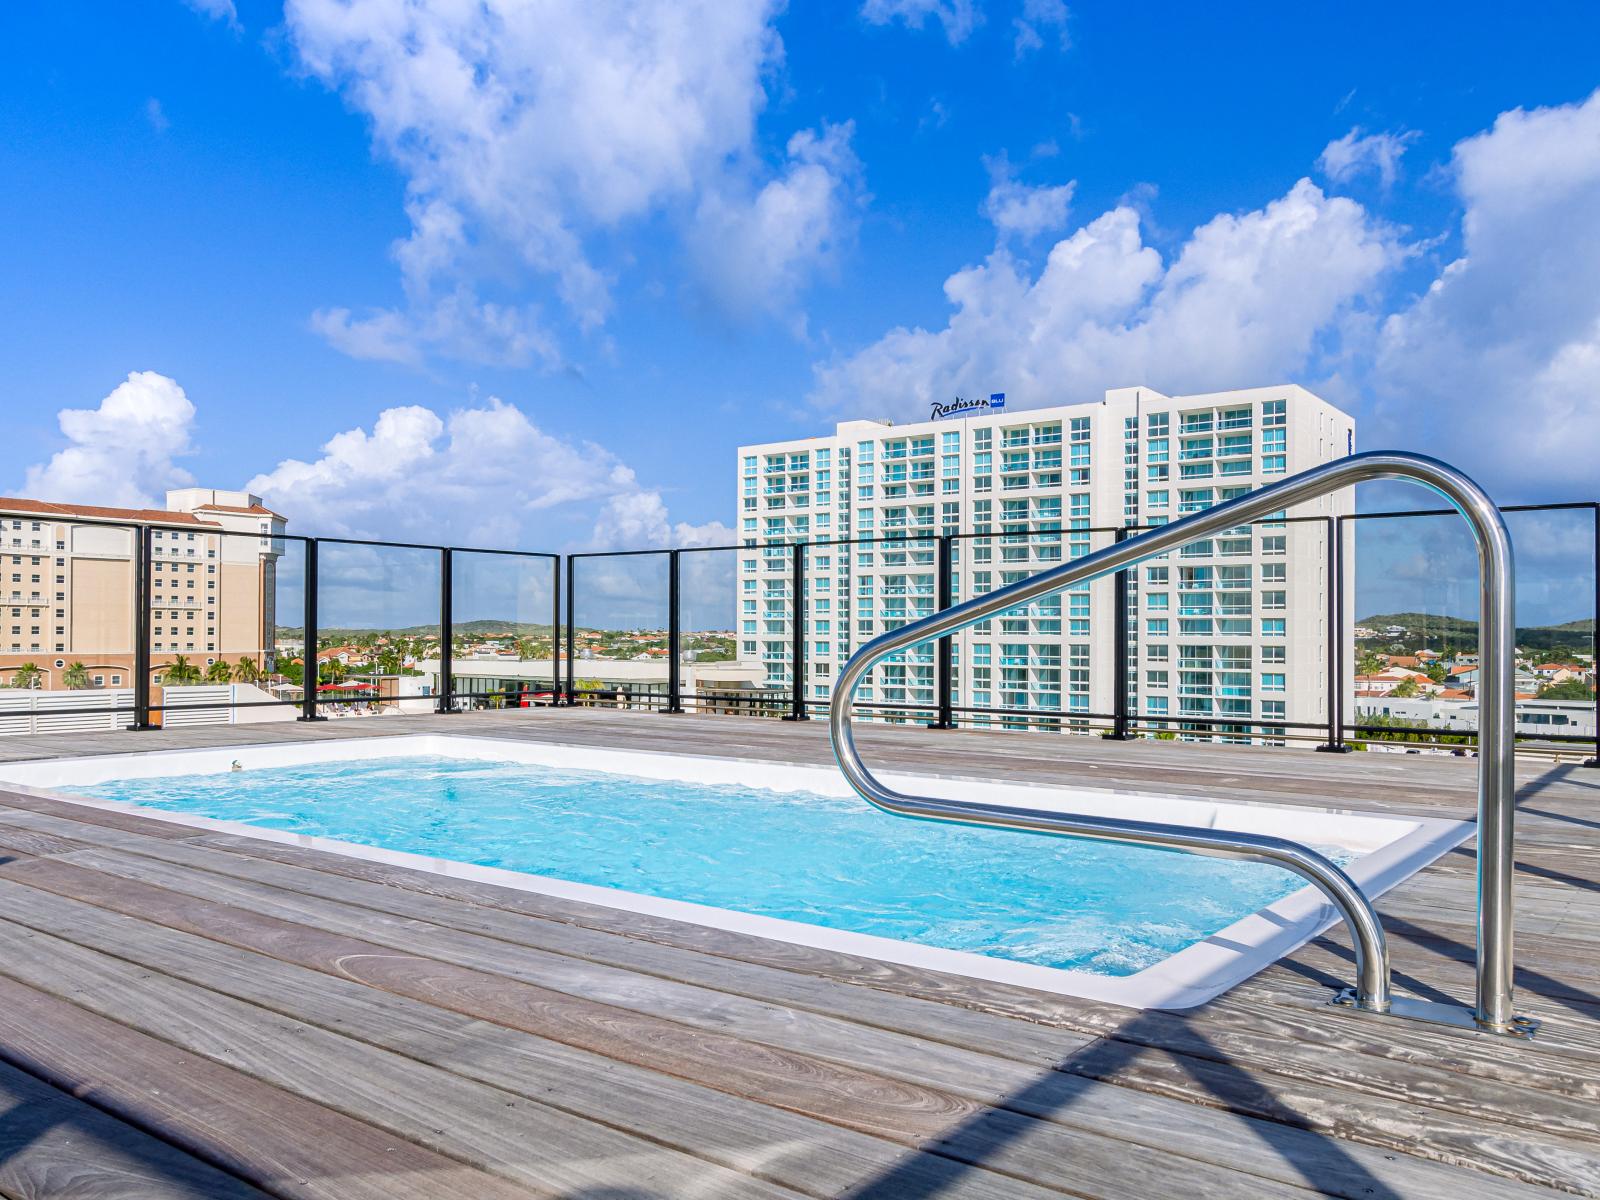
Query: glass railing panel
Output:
(503,614)
(729,616)
(378,607)
(619,616)
(226,644)
(1412,635)
(67,620)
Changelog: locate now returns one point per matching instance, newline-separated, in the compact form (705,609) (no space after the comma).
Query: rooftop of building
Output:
(1015,413)
(183,505)
(16,505)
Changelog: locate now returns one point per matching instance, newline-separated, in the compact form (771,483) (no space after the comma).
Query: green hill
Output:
(1435,631)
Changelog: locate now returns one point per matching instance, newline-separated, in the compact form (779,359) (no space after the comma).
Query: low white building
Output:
(731,687)
(1535,718)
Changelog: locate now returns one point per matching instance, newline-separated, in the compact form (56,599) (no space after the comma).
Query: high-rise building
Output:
(67,585)
(1228,632)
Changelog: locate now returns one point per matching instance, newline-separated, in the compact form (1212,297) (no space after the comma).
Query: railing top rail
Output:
(382,545)
(1495,783)
(1562,506)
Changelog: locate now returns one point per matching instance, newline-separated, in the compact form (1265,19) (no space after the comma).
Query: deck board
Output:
(461,1038)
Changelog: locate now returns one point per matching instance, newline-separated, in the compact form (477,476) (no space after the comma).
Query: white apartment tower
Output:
(1229,631)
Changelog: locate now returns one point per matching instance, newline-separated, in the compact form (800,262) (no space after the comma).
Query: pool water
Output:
(1058,902)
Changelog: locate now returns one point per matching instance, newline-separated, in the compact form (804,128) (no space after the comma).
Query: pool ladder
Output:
(1496,787)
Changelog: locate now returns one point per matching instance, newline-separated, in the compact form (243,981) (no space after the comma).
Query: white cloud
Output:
(484,475)
(1497,365)
(1248,299)
(1355,154)
(156,115)
(531,134)
(1039,16)
(1017,210)
(217,10)
(121,453)
(757,253)
(458,325)
(959,17)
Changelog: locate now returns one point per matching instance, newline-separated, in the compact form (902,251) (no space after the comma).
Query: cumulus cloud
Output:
(530,134)
(1254,297)
(958,17)
(483,475)
(123,452)
(1497,365)
(1356,154)
(757,253)
(1018,210)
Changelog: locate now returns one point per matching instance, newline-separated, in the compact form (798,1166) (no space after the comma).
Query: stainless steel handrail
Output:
(1496,633)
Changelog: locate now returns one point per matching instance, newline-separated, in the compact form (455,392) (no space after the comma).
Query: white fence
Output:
(23,711)
(173,700)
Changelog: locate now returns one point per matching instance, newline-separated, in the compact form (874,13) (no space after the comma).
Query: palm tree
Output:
(76,677)
(28,676)
(247,671)
(182,672)
(219,672)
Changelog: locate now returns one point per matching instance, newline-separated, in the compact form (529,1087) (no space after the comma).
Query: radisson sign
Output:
(968,408)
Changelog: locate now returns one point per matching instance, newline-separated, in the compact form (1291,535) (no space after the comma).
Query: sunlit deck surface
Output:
(189,1014)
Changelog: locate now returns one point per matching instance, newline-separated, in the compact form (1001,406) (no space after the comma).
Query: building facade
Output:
(1227,633)
(67,586)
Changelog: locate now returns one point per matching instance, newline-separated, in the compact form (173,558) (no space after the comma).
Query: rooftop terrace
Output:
(184,1013)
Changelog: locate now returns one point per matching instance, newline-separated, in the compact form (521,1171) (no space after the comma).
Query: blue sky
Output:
(577,259)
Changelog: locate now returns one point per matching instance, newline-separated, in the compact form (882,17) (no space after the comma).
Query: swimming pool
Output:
(785,851)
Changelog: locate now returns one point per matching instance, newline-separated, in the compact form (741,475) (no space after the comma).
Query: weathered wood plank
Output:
(799,990)
(813,1157)
(876,1102)
(1484,1098)
(52,1145)
(790,1148)
(1313,1034)
(284,1144)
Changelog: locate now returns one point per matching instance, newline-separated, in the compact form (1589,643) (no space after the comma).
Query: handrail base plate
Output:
(1456,1016)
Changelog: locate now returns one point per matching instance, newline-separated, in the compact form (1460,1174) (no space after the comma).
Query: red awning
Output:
(345,687)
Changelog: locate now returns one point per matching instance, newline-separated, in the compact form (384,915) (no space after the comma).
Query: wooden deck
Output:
(195,1015)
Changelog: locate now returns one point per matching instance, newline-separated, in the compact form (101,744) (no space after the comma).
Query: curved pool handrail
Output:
(1496,635)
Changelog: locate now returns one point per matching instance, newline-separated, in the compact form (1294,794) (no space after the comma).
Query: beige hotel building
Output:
(67,585)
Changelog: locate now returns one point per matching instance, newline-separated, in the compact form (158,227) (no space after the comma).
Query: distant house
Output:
(1549,673)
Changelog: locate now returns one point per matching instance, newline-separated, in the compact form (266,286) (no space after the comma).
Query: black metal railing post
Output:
(944,649)
(1594,643)
(1336,621)
(1119,705)
(674,635)
(797,639)
(308,655)
(447,632)
(572,629)
(555,630)
(141,626)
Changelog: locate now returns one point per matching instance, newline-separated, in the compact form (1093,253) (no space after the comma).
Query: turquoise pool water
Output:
(1059,902)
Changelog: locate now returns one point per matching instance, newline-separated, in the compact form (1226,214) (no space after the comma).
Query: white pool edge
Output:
(1182,980)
